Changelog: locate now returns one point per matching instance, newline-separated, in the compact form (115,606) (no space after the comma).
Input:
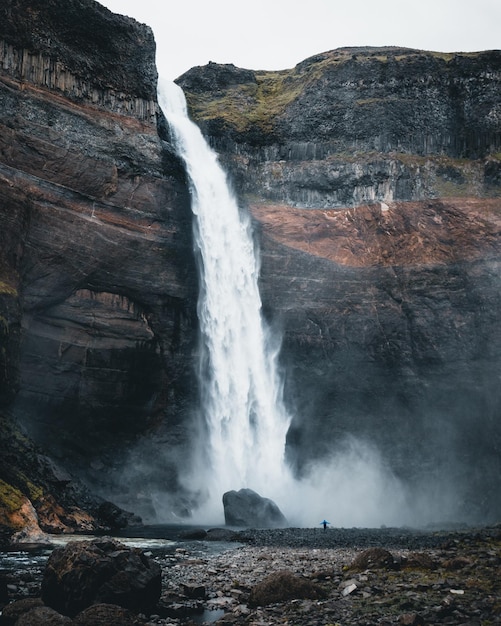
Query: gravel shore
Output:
(312,577)
(384,577)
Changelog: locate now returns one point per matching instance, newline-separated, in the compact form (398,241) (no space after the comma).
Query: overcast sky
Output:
(277,34)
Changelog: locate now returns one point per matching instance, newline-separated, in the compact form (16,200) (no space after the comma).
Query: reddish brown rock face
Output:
(400,233)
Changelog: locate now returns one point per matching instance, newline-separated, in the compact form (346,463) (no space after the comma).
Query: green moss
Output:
(449,189)
(7,290)
(259,103)
(445,56)
(243,106)
(33,492)
(11,498)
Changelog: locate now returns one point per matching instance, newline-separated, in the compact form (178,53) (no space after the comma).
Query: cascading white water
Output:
(241,392)
(245,423)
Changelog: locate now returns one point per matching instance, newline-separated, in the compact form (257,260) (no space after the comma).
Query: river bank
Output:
(312,577)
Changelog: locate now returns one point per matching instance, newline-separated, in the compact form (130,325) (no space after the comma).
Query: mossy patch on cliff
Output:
(18,482)
(374,98)
(9,279)
(11,499)
(259,102)
(7,290)
(243,106)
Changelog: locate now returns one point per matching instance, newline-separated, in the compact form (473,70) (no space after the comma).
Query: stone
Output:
(349,589)
(43,616)
(248,508)
(13,611)
(114,517)
(100,571)
(374,558)
(410,619)
(194,591)
(456,563)
(282,586)
(107,615)
(27,517)
(419,560)
(193,533)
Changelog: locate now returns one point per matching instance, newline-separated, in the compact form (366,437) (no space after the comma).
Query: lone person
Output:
(324,524)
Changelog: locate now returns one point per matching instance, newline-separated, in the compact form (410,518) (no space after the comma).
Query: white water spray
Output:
(241,392)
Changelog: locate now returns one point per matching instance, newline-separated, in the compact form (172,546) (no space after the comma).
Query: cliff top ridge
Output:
(107,50)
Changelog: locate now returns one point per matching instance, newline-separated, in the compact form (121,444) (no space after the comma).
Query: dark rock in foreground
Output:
(101,571)
(108,614)
(248,508)
(282,586)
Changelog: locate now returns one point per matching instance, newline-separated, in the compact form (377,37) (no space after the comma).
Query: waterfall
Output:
(241,391)
(244,422)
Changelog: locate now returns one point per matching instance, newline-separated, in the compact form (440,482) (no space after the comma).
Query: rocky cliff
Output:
(356,125)
(374,179)
(97,281)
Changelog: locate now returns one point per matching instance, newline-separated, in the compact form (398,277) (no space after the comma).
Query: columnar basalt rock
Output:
(97,280)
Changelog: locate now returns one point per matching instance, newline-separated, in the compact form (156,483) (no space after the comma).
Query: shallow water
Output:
(161,539)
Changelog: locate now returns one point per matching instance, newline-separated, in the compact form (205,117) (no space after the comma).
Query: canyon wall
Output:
(373,176)
(97,281)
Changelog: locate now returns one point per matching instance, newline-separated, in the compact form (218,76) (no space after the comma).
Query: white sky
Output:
(277,34)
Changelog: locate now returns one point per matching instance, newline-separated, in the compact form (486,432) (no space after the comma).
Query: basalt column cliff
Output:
(374,179)
(97,280)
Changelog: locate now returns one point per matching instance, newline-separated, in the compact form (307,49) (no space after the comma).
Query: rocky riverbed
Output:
(312,577)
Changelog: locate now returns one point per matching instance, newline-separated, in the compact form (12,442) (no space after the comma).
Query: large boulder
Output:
(101,571)
(248,508)
(374,558)
(43,616)
(12,612)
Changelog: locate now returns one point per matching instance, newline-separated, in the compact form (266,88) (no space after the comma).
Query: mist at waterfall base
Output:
(243,421)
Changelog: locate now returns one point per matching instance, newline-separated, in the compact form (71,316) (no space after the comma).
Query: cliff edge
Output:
(97,281)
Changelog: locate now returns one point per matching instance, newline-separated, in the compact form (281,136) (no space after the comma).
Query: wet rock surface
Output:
(102,571)
(345,576)
(248,508)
